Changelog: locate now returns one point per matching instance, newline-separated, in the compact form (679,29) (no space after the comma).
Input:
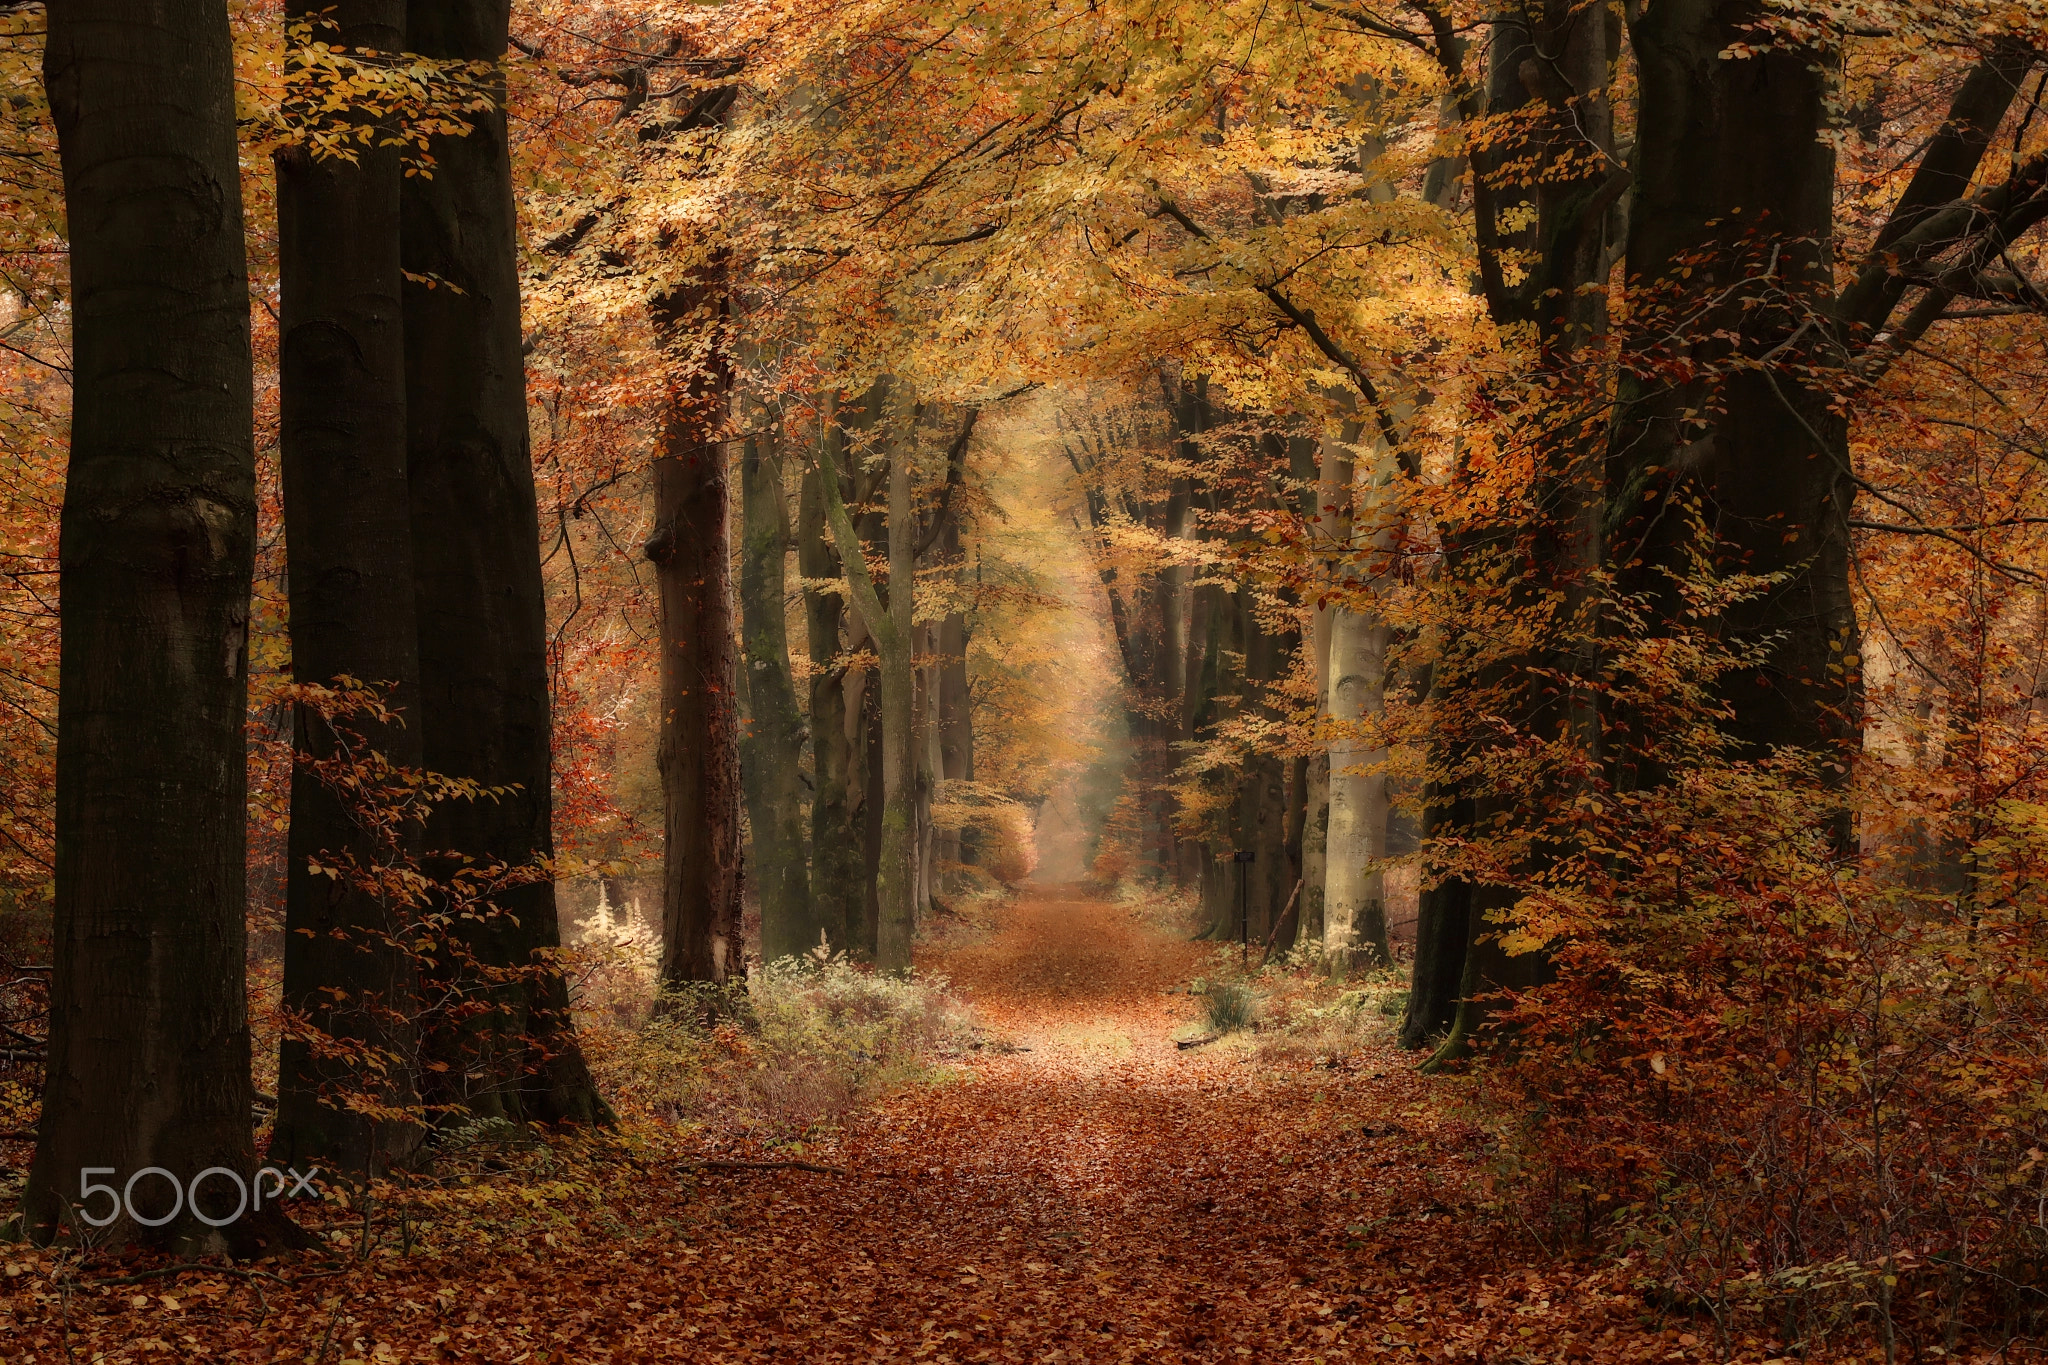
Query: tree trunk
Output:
(484,708)
(837,884)
(1443,932)
(348,542)
(895,881)
(1262,798)
(1732,168)
(772,757)
(874,801)
(896,877)
(149,1030)
(1330,523)
(928,771)
(956,715)
(1355,916)
(1544,260)
(698,752)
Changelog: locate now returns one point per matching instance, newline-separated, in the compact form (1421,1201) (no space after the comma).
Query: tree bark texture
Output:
(890,628)
(1354,906)
(149,1030)
(484,701)
(772,754)
(956,711)
(699,751)
(348,542)
(1262,792)
(896,878)
(1734,203)
(1551,67)
(928,764)
(838,892)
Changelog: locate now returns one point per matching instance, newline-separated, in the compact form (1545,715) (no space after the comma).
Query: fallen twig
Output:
(181,1268)
(1186,1043)
(761,1166)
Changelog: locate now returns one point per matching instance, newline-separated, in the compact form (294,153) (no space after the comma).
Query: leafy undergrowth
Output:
(1095,1194)
(782,1059)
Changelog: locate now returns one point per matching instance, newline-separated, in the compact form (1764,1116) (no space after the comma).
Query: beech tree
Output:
(148,1061)
(837,884)
(700,737)
(772,752)
(348,978)
(890,628)
(483,640)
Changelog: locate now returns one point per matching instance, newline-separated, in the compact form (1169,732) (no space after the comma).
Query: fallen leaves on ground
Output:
(1094,1195)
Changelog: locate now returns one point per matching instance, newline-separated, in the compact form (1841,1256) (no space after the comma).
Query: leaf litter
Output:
(1082,1191)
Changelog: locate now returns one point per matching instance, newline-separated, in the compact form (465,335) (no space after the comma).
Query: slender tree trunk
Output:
(1261,805)
(149,1030)
(838,891)
(1197,705)
(698,753)
(484,701)
(896,877)
(348,541)
(895,882)
(874,801)
(956,712)
(1443,932)
(772,756)
(1330,520)
(928,771)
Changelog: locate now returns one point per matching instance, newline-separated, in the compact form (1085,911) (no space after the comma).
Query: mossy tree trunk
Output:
(771,758)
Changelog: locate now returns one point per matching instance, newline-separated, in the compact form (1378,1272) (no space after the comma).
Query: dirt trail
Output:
(1104,1195)
(1099,1197)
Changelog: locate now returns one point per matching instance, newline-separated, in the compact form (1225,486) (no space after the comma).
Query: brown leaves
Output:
(1100,1197)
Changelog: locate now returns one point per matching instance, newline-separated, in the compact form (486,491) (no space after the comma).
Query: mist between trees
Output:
(1539,500)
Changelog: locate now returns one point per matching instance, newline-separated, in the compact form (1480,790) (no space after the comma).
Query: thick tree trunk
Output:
(149,1029)
(838,890)
(1733,174)
(1355,917)
(1544,260)
(698,752)
(484,705)
(348,541)
(772,756)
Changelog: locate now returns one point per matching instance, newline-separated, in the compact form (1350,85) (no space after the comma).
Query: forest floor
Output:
(1096,1194)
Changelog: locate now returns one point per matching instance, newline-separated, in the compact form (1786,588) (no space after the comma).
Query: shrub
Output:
(792,1048)
(1230,1006)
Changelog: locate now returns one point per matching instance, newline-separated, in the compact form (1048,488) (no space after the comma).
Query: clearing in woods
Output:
(1098,1195)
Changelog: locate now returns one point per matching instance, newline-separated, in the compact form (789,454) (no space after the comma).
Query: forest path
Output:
(1102,1197)
(1105,1196)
